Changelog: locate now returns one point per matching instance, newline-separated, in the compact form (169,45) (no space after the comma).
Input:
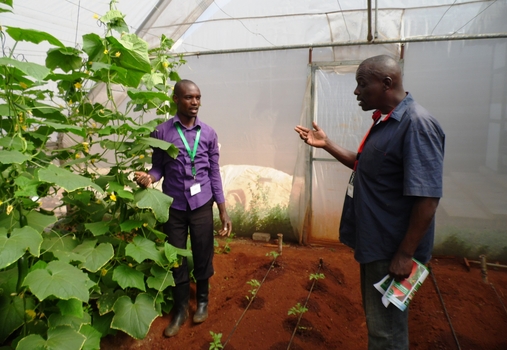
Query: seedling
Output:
(217,341)
(297,309)
(255,286)
(273,254)
(317,276)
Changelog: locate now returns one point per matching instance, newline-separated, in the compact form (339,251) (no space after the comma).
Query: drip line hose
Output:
(321,262)
(499,298)
(250,303)
(443,305)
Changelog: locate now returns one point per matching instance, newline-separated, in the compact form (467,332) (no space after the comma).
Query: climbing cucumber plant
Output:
(67,281)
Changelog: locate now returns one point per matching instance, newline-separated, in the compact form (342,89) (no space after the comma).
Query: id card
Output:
(350,186)
(195,189)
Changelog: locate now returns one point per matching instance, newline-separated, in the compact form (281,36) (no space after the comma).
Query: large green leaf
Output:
(13,247)
(27,187)
(12,313)
(66,179)
(136,318)
(93,46)
(96,257)
(141,249)
(59,279)
(66,127)
(32,69)
(56,320)
(107,300)
(71,307)
(39,221)
(65,58)
(59,338)
(92,337)
(161,279)
(32,35)
(171,149)
(129,225)
(155,200)
(53,242)
(171,252)
(9,157)
(128,277)
(133,52)
(98,228)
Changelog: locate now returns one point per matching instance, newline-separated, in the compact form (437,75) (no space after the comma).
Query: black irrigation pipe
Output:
(306,301)
(443,305)
(250,303)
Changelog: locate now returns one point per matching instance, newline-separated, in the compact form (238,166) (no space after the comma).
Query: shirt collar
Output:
(197,122)
(401,108)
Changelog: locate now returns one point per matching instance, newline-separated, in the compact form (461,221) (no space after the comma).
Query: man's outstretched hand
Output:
(316,137)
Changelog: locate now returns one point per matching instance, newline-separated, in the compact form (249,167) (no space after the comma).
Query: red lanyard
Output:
(376,116)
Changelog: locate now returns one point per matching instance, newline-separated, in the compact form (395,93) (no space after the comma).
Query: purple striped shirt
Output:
(177,173)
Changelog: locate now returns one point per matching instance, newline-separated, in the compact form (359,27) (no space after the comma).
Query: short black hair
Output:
(178,86)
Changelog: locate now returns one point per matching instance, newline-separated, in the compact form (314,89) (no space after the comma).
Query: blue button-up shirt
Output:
(177,173)
(402,159)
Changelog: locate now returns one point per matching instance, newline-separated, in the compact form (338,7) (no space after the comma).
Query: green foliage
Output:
(226,248)
(273,254)
(67,281)
(217,341)
(297,309)
(255,284)
(317,276)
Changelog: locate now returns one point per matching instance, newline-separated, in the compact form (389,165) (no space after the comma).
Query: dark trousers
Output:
(199,223)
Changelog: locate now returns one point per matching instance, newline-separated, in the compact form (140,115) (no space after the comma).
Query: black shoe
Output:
(181,294)
(202,291)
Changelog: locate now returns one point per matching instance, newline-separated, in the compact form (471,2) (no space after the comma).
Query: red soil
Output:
(335,319)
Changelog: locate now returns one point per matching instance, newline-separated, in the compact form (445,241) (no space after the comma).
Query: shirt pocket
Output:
(371,161)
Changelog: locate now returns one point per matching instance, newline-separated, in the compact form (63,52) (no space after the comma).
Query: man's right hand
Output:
(143,179)
(316,138)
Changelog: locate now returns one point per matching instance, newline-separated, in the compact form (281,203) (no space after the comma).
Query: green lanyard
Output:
(192,153)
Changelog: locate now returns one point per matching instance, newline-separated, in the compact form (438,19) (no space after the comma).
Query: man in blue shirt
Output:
(193,181)
(393,193)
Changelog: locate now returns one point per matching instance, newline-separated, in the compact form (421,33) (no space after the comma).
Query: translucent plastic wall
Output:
(464,84)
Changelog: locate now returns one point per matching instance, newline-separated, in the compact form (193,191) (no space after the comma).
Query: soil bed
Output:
(335,318)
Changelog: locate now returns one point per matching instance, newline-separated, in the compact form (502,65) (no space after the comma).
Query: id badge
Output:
(195,189)
(350,186)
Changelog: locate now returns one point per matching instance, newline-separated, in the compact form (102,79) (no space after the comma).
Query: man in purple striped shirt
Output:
(193,181)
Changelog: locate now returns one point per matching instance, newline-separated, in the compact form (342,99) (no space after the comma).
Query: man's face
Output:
(369,90)
(188,100)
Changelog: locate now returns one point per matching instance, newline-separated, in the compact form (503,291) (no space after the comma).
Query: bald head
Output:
(379,84)
(382,67)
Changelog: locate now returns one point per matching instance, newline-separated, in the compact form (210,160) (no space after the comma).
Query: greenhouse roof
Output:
(204,26)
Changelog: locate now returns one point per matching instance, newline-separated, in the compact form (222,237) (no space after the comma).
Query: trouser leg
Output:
(387,327)
(201,237)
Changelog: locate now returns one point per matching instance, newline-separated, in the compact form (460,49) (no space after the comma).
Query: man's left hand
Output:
(400,267)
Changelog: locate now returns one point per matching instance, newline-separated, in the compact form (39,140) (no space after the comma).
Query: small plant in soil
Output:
(317,276)
(255,284)
(226,249)
(273,254)
(297,310)
(217,341)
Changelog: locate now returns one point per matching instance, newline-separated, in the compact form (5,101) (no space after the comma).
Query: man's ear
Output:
(388,83)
